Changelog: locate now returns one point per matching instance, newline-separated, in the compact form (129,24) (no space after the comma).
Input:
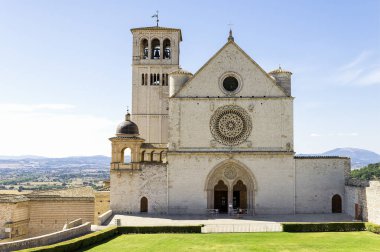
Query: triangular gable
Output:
(231,58)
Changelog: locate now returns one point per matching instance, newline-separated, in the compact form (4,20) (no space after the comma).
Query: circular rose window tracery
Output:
(230,125)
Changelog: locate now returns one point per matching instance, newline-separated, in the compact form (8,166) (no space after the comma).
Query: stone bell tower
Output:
(155,55)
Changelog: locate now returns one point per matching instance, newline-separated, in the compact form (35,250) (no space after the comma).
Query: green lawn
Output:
(328,241)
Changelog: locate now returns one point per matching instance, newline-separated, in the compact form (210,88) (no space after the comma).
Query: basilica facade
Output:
(218,140)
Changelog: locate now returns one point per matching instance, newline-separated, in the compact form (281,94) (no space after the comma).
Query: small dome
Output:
(280,70)
(180,72)
(127,128)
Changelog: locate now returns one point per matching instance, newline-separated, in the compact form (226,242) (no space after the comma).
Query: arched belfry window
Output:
(144,48)
(126,155)
(155,49)
(167,49)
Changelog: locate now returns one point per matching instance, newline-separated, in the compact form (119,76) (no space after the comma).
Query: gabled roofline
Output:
(244,53)
(159,28)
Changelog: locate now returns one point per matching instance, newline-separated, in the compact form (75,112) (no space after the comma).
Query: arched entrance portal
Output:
(221,197)
(336,204)
(239,196)
(144,205)
(230,185)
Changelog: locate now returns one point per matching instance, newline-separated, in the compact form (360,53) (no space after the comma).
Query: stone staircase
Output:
(242,228)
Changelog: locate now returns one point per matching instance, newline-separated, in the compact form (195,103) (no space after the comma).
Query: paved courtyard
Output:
(226,223)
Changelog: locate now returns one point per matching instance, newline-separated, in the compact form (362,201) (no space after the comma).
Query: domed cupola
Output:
(127,128)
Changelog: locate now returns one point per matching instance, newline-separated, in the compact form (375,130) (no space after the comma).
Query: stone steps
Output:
(242,228)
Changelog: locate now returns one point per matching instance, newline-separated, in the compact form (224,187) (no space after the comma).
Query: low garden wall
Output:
(103,217)
(47,239)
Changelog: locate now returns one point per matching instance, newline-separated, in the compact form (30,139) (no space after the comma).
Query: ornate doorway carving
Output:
(230,182)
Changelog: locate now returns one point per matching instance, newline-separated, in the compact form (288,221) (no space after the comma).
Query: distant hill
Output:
(359,157)
(27,161)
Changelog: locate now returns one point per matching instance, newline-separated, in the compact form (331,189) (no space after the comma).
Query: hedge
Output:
(371,227)
(80,242)
(97,237)
(324,227)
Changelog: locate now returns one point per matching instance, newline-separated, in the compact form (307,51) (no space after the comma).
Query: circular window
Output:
(230,125)
(230,84)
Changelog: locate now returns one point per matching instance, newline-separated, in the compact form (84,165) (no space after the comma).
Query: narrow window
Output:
(151,79)
(143,79)
(144,48)
(146,79)
(163,79)
(167,49)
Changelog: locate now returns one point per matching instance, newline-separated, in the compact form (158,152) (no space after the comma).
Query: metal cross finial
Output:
(156,16)
(127,115)
(230,37)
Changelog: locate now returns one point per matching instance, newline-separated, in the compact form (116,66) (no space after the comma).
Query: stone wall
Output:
(317,181)
(273,177)
(373,201)
(46,239)
(128,187)
(363,201)
(51,214)
(102,203)
(14,214)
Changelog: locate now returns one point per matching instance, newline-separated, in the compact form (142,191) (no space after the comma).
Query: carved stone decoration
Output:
(213,143)
(212,106)
(230,172)
(230,125)
(251,107)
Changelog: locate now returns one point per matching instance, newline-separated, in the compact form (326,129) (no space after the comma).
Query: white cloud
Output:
(315,135)
(28,129)
(364,70)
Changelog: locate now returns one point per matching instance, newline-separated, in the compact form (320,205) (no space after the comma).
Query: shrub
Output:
(80,242)
(371,227)
(97,237)
(160,229)
(324,227)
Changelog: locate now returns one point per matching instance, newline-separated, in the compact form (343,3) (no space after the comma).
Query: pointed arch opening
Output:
(221,197)
(239,200)
(241,186)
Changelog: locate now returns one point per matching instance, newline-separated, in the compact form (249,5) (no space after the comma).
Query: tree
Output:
(369,172)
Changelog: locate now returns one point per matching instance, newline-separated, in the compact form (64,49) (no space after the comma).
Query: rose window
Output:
(230,125)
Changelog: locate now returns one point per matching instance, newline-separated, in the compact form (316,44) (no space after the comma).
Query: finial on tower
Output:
(128,115)
(156,16)
(230,37)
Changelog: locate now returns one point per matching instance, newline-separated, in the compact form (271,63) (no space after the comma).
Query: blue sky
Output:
(65,66)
